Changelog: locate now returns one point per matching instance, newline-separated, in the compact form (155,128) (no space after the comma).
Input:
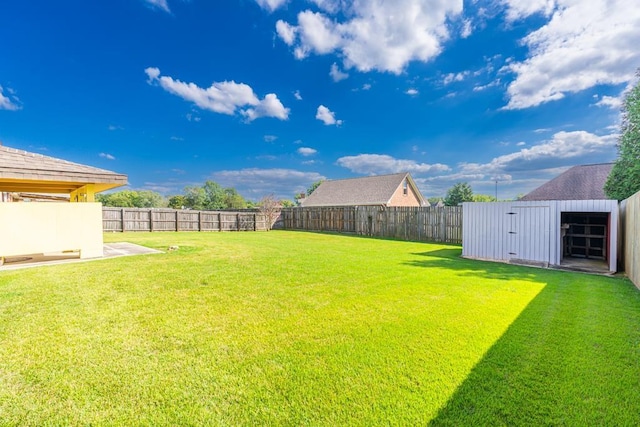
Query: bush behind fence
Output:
(429,224)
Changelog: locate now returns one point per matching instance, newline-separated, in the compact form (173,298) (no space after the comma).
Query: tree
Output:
(149,199)
(270,208)
(287,203)
(233,200)
(484,198)
(177,202)
(461,192)
(313,187)
(214,196)
(624,179)
(434,200)
(132,199)
(194,197)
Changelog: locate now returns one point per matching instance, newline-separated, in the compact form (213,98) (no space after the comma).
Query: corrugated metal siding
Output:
(530,233)
(485,230)
(527,231)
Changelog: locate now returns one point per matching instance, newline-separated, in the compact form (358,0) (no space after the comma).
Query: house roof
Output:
(22,171)
(370,190)
(584,182)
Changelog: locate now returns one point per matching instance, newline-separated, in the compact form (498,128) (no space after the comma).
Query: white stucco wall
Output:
(35,228)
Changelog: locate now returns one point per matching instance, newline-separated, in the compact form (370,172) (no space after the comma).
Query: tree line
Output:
(209,196)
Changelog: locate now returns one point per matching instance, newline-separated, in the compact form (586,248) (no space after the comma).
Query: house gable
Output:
(371,190)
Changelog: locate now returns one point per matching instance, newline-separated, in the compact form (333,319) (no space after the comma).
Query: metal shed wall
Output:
(527,231)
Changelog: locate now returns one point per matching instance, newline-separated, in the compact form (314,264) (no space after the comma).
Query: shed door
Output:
(529,233)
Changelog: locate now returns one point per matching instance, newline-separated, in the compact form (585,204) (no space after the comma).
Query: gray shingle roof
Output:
(584,182)
(370,190)
(22,171)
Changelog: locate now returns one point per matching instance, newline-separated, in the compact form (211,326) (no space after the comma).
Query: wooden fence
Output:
(135,219)
(419,224)
(630,212)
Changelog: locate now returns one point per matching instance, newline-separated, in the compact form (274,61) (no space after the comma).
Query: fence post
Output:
(220,221)
(151,220)
(177,222)
(199,220)
(122,219)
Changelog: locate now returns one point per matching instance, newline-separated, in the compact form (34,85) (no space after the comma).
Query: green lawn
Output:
(287,328)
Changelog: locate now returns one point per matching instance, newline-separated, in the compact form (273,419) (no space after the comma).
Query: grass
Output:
(286,328)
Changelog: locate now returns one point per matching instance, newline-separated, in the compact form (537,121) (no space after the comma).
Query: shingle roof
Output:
(370,190)
(584,182)
(24,171)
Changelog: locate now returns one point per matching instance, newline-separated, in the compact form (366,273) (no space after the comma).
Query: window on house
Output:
(405,187)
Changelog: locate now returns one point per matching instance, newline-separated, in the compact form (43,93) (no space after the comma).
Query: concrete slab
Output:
(111,250)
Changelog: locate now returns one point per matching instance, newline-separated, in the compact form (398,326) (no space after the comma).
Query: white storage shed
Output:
(544,233)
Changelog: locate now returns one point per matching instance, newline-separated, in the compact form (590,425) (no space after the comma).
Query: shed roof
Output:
(22,171)
(370,190)
(583,182)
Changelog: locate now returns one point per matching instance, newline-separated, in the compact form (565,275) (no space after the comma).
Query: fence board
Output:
(136,219)
(631,231)
(429,224)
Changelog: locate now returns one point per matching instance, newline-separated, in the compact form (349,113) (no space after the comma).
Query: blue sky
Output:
(269,96)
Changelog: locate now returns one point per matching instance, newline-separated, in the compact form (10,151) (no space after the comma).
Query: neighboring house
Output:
(385,190)
(584,182)
(56,226)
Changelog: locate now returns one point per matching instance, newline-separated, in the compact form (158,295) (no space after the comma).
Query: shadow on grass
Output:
(450,259)
(572,357)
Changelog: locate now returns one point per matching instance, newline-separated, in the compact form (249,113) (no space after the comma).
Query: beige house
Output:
(385,190)
(72,226)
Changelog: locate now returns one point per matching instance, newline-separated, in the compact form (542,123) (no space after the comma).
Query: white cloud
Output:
(467,29)
(192,117)
(366,86)
(255,182)
(373,34)
(455,77)
(412,92)
(107,156)
(373,164)
(520,9)
(176,138)
(270,106)
(583,44)
(159,4)
(613,102)
(9,101)
(306,151)
(270,138)
(337,74)
(286,32)
(271,5)
(268,157)
(487,86)
(297,95)
(223,97)
(327,116)
(562,149)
